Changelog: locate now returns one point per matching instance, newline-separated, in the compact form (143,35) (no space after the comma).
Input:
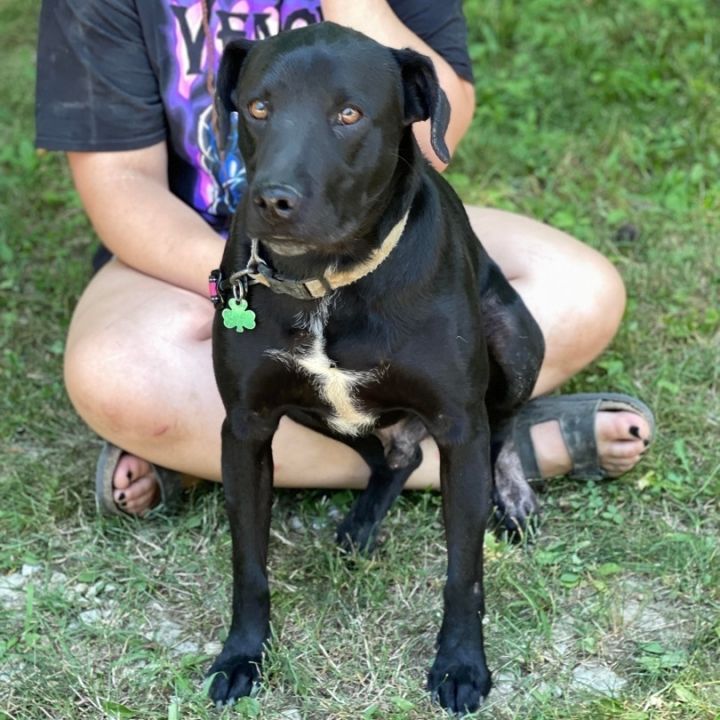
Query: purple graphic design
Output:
(217,178)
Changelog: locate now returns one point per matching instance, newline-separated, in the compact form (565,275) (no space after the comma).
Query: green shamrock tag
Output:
(237,316)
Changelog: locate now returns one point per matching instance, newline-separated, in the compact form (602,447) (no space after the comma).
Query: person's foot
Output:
(125,484)
(135,485)
(621,437)
(585,436)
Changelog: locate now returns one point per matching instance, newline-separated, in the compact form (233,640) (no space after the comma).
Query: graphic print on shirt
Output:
(220,178)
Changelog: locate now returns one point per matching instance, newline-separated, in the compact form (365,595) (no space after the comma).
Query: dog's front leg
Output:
(247,479)
(459,678)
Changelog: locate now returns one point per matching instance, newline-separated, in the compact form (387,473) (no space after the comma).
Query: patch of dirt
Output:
(598,678)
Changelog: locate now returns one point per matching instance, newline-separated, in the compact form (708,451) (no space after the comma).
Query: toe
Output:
(129,469)
(139,496)
(622,426)
(615,469)
(622,460)
(135,485)
(624,450)
(621,440)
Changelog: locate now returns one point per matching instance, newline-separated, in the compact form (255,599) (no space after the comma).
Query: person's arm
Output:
(376,19)
(127,198)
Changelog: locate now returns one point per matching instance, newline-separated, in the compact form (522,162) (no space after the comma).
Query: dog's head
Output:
(322,114)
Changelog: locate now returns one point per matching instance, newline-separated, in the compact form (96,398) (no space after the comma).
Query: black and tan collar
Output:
(258,272)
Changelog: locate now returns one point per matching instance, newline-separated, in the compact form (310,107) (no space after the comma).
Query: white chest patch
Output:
(337,387)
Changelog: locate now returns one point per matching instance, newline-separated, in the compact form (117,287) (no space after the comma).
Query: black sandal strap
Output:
(576,416)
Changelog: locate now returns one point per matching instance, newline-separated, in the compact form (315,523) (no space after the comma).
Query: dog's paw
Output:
(235,677)
(519,517)
(356,537)
(460,687)
(517,509)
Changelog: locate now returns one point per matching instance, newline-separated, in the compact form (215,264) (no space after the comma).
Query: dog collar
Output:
(258,272)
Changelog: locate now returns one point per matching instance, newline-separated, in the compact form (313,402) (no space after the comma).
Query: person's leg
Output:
(138,369)
(578,298)
(138,366)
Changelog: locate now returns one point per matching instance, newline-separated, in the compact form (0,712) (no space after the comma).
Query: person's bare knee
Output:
(111,383)
(581,313)
(575,294)
(604,302)
(130,350)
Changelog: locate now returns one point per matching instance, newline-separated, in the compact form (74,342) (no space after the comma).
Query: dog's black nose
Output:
(277,201)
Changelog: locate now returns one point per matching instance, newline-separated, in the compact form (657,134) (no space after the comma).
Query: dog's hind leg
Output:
(516,508)
(358,531)
(515,344)
(516,348)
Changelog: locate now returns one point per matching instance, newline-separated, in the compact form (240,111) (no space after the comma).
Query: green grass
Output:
(599,117)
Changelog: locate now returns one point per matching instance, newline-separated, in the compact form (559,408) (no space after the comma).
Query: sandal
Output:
(168,481)
(576,417)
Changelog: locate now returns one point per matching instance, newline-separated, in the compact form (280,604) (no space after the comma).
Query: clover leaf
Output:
(237,316)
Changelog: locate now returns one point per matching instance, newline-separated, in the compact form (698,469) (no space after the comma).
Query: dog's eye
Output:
(349,115)
(258,109)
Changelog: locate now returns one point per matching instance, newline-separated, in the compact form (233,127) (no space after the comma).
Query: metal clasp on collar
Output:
(239,285)
(238,282)
(215,288)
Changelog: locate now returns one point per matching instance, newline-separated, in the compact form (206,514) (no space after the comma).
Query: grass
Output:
(599,117)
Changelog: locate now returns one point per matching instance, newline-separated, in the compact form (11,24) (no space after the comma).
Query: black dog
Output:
(356,298)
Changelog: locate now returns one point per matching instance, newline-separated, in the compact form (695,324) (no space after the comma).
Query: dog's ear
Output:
(231,61)
(424,98)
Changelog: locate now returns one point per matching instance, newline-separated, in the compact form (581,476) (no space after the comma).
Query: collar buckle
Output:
(215,288)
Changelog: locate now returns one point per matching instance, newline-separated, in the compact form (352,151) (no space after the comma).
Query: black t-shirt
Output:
(126,74)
